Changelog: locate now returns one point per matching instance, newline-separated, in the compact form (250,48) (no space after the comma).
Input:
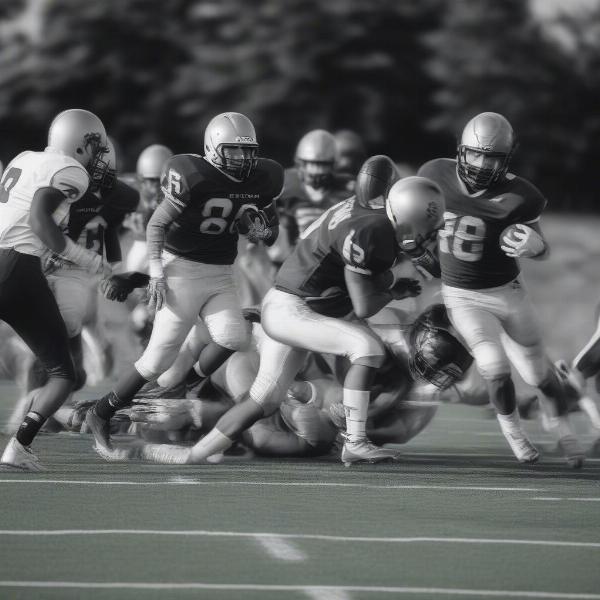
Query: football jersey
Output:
(300,209)
(469,244)
(90,216)
(210,203)
(346,236)
(137,219)
(23,176)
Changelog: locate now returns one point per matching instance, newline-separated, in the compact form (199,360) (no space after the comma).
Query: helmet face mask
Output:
(485,150)
(103,170)
(314,173)
(230,145)
(315,158)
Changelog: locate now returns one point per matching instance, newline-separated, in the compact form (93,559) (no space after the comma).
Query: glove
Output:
(157,292)
(424,260)
(51,262)
(253,224)
(405,288)
(522,242)
(116,288)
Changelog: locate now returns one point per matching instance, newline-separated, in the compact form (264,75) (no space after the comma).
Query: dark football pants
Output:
(28,305)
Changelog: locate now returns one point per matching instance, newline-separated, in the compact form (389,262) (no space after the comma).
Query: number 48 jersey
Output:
(209,204)
(469,244)
(347,236)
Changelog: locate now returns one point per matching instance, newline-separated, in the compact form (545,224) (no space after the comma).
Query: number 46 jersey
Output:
(469,244)
(209,204)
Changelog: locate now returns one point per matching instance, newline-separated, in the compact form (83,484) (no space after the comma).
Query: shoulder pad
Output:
(275,174)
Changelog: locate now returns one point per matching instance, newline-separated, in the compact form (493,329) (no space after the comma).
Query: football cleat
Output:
(363,450)
(523,449)
(100,429)
(166,454)
(571,450)
(20,457)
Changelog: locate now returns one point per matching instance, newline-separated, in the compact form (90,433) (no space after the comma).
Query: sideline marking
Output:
(300,588)
(299,536)
(279,548)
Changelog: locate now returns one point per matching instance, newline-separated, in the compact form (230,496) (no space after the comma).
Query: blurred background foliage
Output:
(405,74)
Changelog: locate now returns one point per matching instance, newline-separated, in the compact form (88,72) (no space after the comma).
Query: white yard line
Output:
(557,499)
(191,481)
(279,548)
(428,591)
(327,594)
(296,536)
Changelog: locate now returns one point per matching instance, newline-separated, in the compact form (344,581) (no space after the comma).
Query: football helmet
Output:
(351,151)
(486,147)
(80,134)
(436,354)
(230,144)
(415,206)
(315,158)
(374,180)
(151,161)
(106,169)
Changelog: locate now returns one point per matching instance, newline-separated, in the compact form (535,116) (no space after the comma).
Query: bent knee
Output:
(368,351)
(491,361)
(233,335)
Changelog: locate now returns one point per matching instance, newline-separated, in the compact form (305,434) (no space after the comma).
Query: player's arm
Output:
(45,202)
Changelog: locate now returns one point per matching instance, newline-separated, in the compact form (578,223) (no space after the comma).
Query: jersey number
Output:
(215,213)
(462,237)
(351,251)
(8,183)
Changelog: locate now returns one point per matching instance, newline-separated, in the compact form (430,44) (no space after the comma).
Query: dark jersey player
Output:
(341,265)
(192,242)
(481,282)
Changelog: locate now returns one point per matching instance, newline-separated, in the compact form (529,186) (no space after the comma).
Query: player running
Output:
(192,242)
(481,282)
(36,192)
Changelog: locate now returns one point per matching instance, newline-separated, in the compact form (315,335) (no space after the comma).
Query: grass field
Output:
(458,517)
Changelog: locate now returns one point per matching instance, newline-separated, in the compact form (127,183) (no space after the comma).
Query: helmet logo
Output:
(245,139)
(432,210)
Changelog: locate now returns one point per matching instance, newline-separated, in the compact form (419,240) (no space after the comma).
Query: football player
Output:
(311,187)
(350,152)
(150,165)
(481,282)
(36,192)
(340,266)
(192,242)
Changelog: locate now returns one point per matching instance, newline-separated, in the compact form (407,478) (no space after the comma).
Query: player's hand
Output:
(157,292)
(253,224)
(162,414)
(525,242)
(51,262)
(405,288)
(116,288)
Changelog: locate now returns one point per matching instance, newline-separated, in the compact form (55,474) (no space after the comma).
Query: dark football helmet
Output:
(374,180)
(486,147)
(436,355)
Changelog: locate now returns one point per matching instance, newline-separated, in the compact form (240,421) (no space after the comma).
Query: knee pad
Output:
(267,393)
(491,361)
(534,366)
(233,335)
(368,352)
(153,364)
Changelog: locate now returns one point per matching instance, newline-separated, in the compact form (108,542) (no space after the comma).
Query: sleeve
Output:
(274,186)
(72,181)
(163,216)
(174,185)
(368,251)
(428,170)
(121,201)
(531,206)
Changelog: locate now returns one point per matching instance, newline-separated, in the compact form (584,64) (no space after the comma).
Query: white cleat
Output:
(165,454)
(522,448)
(20,457)
(364,451)
(571,450)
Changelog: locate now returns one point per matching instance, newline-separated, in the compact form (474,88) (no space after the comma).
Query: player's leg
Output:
(28,305)
(524,345)
(474,315)
(171,326)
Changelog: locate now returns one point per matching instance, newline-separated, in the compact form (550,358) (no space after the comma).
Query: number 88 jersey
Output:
(210,202)
(469,244)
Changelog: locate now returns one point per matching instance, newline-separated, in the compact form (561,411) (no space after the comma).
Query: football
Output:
(510,232)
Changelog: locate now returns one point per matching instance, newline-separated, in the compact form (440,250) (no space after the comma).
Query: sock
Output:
(588,406)
(509,422)
(121,396)
(214,442)
(356,405)
(502,394)
(29,427)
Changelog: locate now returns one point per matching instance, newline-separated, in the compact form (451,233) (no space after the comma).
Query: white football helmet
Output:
(80,134)
(230,144)
(315,158)
(486,147)
(415,206)
(151,161)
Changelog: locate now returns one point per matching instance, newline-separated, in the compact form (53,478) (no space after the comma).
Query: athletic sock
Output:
(356,405)
(588,406)
(122,396)
(510,422)
(31,424)
(214,442)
